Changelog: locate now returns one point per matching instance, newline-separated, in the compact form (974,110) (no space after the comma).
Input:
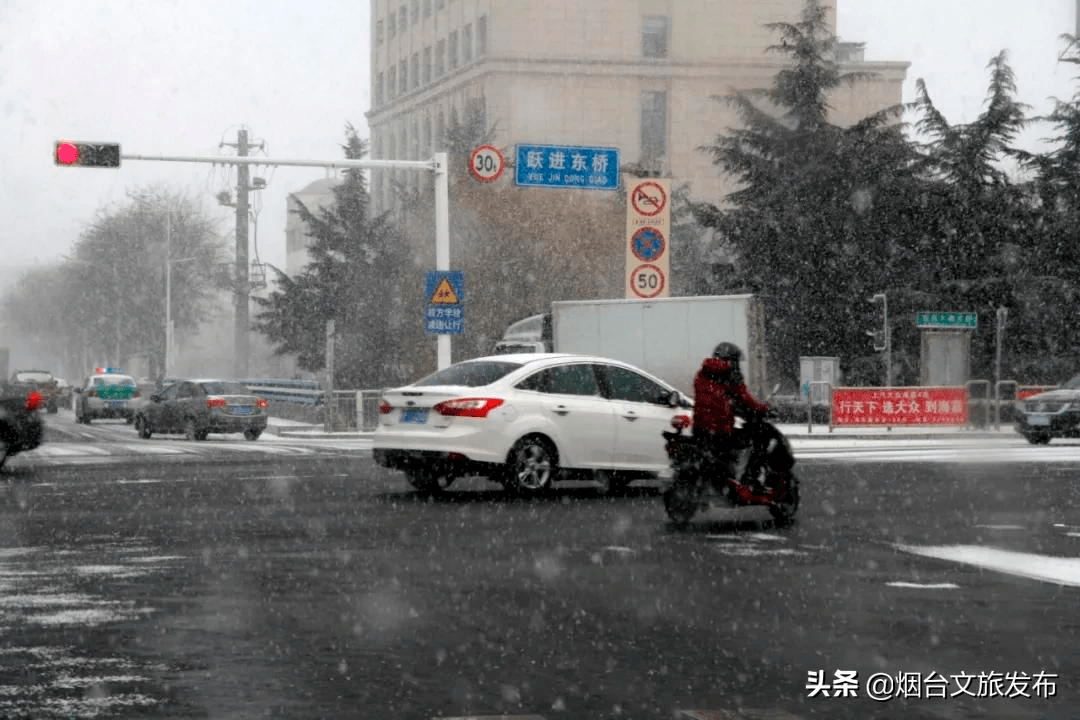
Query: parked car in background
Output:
(528,420)
(108,393)
(41,380)
(63,392)
(21,426)
(199,407)
(1051,414)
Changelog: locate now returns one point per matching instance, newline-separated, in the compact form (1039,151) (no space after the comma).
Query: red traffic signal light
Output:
(87,154)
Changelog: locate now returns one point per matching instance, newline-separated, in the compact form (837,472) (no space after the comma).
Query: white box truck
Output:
(668,337)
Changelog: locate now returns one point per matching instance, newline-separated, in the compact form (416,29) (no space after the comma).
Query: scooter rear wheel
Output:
(783,510)
(681,502)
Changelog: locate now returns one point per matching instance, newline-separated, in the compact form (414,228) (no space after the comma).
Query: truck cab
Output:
(528,335)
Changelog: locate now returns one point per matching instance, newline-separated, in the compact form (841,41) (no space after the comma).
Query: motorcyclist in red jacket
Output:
(720,395)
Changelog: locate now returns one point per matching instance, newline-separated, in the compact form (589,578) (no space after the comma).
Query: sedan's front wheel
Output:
(252,434)
(530,466)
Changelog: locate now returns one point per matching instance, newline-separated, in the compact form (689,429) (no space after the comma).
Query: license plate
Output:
(414,415)
(1038,419)
(242,409)
(115,404)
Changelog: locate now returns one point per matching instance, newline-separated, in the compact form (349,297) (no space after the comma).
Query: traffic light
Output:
(87,154)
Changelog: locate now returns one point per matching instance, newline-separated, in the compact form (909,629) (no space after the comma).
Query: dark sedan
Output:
(21,427)
(1051,414)
(199,407)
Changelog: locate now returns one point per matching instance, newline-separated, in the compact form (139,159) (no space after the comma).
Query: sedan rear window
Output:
(114,380)
(470,374)
(225,388)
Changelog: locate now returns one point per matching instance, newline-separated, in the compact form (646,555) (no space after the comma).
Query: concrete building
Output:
(315,196)
(639,75)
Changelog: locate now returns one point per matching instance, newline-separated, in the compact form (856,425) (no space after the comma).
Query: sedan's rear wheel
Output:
(252,434)
(530,466)
(142,426)
(192,432)
(1038,438)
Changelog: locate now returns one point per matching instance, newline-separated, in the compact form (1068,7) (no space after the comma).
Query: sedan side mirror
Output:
(155,398)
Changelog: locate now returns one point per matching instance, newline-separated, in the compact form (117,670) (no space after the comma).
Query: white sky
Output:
(177,77)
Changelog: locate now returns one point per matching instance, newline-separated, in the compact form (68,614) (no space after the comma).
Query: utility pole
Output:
(241,281)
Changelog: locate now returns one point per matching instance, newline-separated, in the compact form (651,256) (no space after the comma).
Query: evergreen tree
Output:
(354,279)
(810,218)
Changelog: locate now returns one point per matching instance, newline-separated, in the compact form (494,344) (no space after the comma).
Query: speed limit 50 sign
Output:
(487,163)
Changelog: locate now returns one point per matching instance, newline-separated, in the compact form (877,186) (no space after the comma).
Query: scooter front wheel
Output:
(681,502)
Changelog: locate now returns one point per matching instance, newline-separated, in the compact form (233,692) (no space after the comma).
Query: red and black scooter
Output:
(762,474)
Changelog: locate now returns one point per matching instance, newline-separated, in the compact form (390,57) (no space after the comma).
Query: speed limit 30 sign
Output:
(487,163)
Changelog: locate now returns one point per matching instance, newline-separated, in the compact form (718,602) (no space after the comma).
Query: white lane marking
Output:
(1001,527)
(924,586)
(1047,568)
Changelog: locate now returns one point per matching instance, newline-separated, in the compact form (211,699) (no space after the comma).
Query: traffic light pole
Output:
(437,164)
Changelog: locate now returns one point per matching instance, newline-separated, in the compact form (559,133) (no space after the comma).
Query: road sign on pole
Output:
(444,313)
(648,224)
(487,163)
(567,166)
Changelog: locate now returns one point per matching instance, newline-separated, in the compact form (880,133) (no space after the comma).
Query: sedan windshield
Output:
(470,374)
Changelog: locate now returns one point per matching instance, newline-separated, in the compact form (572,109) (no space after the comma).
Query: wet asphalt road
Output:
(322,587)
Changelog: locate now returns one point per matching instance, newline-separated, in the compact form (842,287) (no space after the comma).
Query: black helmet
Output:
(727,351)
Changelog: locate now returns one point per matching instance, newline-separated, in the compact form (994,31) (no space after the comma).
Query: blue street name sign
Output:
(567,166)
(444,310)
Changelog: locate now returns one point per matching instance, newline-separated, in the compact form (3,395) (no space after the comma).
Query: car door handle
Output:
(630,415)
(560,410)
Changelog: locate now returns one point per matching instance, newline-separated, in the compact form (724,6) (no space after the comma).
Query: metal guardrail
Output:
(356,410)
(303,392)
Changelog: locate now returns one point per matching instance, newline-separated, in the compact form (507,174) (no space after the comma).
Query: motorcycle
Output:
(760,476)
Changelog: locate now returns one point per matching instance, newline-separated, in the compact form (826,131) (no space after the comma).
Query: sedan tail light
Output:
(33,400)
(213,402)
(468,407)
(385,408)
(680,422)
(262,403)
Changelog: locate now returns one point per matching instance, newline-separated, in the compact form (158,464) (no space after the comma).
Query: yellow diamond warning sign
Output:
(444,294)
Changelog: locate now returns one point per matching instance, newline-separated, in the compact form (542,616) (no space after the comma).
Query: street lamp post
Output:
(169,262)
(886,342)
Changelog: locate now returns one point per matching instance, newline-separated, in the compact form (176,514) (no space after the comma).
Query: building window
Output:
(653,124)
(415,11)
(391,85)
(415,141)
(654,36)
(391,26)
(427,8)
(379,32)
(379,89)
(427,65)
(452,51)
(403,73)
(481,35)
(440,131)
(427,136)
(415,70)
(440,58)
(466,43)
(403,18)
(440,4)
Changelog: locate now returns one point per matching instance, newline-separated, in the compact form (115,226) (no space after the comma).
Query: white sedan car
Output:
(528,420)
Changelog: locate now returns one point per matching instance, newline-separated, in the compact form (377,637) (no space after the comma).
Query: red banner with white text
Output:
(900,406)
